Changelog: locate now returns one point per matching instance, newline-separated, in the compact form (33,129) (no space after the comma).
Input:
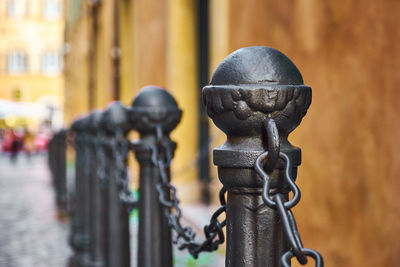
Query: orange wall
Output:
(150,43)
(348,53)
(158,45)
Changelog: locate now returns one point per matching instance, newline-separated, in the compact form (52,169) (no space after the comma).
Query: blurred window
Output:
(51,63)
(51,9)
(16,8)
(17,62)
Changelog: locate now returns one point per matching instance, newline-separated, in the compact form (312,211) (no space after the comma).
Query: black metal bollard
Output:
(154,114)
(80,226)
(61,144)
(115,125)
(251,87)
(98,201)
(50,158)
(57,163)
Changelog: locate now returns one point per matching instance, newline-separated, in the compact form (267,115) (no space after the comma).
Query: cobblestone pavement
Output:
(30,234)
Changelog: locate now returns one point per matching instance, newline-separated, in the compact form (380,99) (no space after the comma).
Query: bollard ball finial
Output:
(253,84)
(115,118)
(152,107)
(256,65)
(95,120)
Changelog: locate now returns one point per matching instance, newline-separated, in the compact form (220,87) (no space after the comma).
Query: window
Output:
(17,62)
(51,63)
(16,8)
(51,9)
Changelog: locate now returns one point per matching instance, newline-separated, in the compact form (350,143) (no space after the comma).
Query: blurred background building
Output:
(31,56)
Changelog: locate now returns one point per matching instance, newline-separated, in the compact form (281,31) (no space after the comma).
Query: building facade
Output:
(31,51)
(347,52)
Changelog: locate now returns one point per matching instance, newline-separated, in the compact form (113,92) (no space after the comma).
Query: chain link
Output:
(278,201)
(119,146)
(162,153)
(119,149)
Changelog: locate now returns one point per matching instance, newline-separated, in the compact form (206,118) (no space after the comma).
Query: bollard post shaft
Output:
(80,228)
(249,87)
(57,163)
(115,125)
(61,144)
(98,209)
(153,108)
(154,238)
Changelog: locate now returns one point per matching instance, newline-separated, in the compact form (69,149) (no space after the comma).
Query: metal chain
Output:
(278,201)
(120,149)
(162,154)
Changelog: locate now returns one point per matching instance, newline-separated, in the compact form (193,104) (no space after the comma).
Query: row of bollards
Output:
(100,221)
(256,97)
(100,232)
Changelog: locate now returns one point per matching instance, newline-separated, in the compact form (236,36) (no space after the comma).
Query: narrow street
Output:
(30,233)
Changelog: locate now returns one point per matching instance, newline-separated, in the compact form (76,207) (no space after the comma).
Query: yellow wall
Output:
(103,62)
(182,80)
(126,44)
(347,52)
(76,65)
(35,35)
(33,87)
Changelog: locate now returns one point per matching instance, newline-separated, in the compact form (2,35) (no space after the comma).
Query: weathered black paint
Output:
(249,86)
(115,124)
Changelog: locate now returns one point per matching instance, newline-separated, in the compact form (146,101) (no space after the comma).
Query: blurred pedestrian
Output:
(16,144)
(28,142)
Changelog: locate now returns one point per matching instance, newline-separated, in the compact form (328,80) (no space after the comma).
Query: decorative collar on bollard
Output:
(257,98)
